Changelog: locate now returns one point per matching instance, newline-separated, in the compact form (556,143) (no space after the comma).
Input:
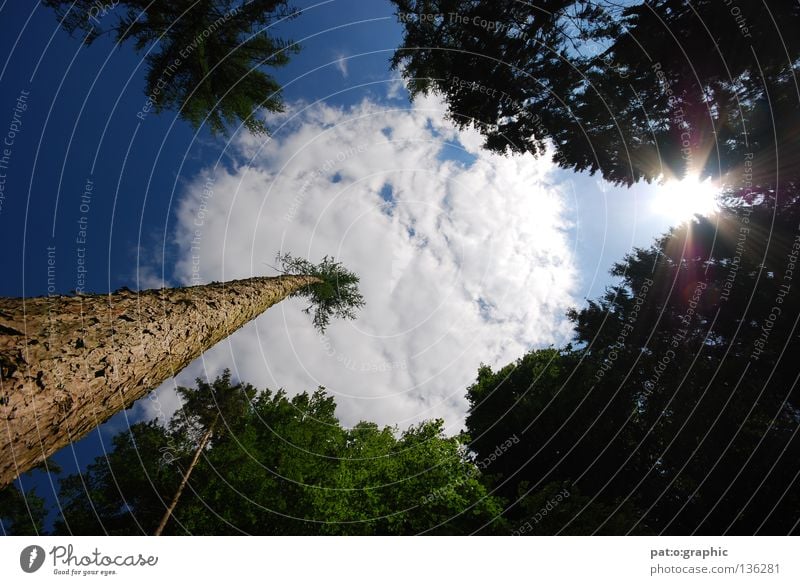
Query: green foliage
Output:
(286,467)
(205,57)
(421,482)
(260,479)
(127,490)
(631,90)
(21,513)
(334,295)
(567,432)
(559,508)
(713,404)
(220,404)
(671,414)
(602,436)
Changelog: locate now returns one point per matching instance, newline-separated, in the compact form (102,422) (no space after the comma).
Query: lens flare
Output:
(681,200)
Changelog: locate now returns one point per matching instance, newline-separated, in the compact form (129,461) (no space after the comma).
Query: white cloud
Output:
(396,88)
(341,64)
(460,263)
(146,277)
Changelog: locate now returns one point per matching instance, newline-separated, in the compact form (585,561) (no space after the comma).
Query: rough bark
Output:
(68,363)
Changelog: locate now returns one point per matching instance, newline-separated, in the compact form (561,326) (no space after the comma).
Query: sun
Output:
(681,200)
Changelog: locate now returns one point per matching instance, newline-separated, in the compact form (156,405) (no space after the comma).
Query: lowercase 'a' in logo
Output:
(31,558)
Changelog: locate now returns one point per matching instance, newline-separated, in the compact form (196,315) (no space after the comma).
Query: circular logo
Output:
(31,558)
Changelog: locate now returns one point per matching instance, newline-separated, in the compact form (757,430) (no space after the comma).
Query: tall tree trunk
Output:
(68,363)
(203,442)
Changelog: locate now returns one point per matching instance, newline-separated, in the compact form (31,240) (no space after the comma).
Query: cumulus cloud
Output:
(464,256)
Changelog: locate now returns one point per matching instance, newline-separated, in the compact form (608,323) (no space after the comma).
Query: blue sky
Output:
(81,123)
(562,231)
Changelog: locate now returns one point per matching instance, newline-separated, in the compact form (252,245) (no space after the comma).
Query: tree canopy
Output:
(676,408)
(673,411)
(21,513)
(205,58)
(634,91)
(286,467)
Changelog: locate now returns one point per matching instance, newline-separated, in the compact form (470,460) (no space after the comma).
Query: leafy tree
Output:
(262,480)
(714,397)
(677,409)
(208,412)
(419,483)
(561,508)
(204,57)
(21,513)
(631,90)
(566,431)
(285,467)
(126,491)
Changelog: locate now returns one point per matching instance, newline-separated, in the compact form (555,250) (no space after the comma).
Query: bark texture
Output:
(68,363)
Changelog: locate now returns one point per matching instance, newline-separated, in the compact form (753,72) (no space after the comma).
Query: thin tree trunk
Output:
(68,363)
(185,479)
